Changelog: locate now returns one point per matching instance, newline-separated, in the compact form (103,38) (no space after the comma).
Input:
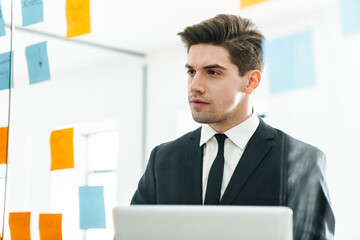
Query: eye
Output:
(191,72)
(212,72)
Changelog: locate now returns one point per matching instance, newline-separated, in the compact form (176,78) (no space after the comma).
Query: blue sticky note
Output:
(290,62)
(350,16)
(37,62)
(5,66)
(32,12)
(92,207)
(2,23)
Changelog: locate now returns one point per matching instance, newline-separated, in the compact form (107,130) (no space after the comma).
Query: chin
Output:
(204,119)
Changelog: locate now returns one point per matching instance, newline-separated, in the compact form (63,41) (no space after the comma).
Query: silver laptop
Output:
(172,222)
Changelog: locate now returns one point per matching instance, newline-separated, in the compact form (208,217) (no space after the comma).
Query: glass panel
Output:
(93,79)
(87,82)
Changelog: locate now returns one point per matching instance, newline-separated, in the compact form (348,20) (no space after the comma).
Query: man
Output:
(235,158)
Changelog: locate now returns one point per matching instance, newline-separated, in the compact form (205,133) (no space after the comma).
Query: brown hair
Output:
(239,36)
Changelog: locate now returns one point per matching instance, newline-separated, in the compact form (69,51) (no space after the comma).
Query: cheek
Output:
(188,85)
(230,99)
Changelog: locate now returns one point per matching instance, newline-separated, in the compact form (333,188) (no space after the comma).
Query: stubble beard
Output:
(207,117)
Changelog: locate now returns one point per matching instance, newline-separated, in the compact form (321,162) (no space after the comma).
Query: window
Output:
(101,170)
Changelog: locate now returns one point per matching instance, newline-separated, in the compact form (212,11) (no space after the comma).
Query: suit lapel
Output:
(255,152)
(193,168)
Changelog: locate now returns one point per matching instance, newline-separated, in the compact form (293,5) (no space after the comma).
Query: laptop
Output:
(175,222)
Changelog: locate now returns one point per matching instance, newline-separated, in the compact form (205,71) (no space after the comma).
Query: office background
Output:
(122,90)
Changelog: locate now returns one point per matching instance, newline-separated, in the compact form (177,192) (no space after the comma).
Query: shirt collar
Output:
(239,135)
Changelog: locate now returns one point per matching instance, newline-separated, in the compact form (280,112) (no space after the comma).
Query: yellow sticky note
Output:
(77,17)
(62,149)
(248,3)
(19,223)
(50,226)
(3,144)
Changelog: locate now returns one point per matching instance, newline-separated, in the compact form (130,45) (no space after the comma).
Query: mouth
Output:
(198,103)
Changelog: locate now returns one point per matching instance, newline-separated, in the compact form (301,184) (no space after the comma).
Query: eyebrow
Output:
(207,67)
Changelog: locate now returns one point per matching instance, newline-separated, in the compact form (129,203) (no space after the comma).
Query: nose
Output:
(196,84)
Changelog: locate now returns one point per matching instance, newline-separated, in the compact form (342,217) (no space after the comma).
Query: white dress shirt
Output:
(234,147)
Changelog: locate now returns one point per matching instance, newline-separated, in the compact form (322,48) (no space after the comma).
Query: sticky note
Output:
(5,59)
(62,149)
(32,12)
(248,3)
(92,207)
(3,144)
(19,223)
(290,62)
(37,62)
(77,18)
(350,16)
(50,226)
(2,23)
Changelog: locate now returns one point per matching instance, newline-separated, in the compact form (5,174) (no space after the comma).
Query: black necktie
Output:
(213,189)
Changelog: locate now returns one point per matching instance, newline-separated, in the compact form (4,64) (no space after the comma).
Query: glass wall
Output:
(77,123)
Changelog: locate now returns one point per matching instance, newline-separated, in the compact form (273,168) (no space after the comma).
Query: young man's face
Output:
(215,88)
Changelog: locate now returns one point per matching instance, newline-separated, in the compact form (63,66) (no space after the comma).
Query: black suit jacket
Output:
(275,169)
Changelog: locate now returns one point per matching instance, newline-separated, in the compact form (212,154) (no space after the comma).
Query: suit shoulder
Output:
(179,142)
(300,152)
(305,147)
(278,136)
(296,143)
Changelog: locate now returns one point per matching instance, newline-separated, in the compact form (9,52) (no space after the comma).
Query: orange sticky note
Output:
(3,144)
(62,149)
(50,226)
(19,225)
(248,3)
(77,17)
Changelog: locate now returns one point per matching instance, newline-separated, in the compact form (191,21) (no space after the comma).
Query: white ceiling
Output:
(144,26)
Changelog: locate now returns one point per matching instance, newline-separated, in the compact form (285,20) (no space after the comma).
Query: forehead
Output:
(205,54)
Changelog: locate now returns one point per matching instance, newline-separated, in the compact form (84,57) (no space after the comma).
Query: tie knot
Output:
(220,137)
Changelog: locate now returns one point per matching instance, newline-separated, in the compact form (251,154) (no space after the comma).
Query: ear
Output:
(254,81)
